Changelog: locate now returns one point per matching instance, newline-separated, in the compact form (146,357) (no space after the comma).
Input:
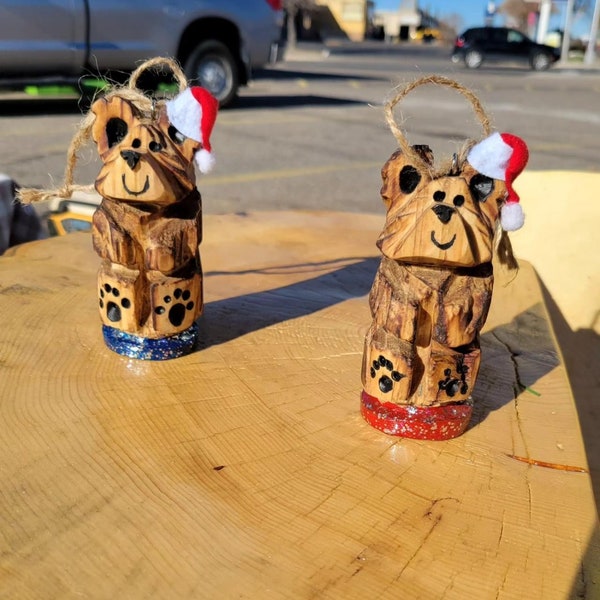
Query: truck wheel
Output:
(212,66)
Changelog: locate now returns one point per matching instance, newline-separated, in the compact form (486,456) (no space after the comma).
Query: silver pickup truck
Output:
(218,42)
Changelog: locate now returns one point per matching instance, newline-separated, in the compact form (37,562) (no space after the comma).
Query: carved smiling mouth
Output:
(440,245)
(142,191)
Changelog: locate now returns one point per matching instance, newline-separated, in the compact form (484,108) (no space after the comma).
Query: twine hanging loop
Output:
(145,104)
(440,80)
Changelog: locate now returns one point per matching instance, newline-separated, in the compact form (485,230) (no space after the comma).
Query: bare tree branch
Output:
(518,10)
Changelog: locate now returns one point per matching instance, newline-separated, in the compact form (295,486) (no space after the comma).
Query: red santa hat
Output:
(503,156)
(193,112)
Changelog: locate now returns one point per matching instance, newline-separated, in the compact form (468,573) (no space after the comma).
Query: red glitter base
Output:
(417,422)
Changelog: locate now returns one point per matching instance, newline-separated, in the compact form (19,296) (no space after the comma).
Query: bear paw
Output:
(384,369)
(110,299)
(453,385)
(180,303)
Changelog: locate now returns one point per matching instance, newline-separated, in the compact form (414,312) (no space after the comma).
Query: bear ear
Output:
(409,179)
(402,174)
(481,187)
(425,152)
(410,176)
(113,121)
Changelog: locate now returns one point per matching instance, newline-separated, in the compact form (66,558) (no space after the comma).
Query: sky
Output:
(472,13)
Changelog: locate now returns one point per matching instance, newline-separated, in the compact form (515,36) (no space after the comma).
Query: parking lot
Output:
(310,131)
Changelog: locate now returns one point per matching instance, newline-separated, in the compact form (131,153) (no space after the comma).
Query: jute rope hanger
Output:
(502,242)
(400,135)
(145,104)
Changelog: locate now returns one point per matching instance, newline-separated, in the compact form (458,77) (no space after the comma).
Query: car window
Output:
(514,37)
(76,225)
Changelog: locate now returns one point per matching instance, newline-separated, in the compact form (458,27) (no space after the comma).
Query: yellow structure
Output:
(352,16)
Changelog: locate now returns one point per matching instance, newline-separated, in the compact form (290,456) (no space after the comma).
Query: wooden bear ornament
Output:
(433,288)
(148,227)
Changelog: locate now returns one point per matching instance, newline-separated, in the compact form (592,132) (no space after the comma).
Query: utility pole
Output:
(590,52)
(566,41)
(542,28)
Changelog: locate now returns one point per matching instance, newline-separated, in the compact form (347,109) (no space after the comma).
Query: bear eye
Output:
(176,135)
(481,187)
(116,130)
(409,179)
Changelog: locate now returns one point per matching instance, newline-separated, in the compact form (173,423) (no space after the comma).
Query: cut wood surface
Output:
(244,470)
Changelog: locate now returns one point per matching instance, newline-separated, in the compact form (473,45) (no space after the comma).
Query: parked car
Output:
(427,34)
(218,42)
(69,216)
(481,44)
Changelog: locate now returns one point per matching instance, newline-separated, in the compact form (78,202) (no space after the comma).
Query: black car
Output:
(480,44)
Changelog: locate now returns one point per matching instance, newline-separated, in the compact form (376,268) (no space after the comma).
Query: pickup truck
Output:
(217,42)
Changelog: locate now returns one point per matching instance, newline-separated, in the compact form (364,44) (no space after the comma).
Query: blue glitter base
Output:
(165,348)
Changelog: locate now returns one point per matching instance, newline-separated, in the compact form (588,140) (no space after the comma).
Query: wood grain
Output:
(244,470)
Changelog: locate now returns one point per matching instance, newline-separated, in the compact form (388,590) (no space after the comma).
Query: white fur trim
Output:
(511,216)
(490,156)
(205,161)
(185,113)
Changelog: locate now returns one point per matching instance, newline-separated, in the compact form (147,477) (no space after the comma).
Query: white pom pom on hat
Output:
(193,112)
(503,156)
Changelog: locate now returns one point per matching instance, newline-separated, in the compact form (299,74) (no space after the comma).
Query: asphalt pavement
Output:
(309,132)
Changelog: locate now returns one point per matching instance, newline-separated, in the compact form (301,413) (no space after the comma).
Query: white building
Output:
(402,24)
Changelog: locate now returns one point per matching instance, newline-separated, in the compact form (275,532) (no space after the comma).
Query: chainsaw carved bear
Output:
(148,227)
(431,294)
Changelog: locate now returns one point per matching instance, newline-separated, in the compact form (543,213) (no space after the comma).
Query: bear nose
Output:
(130,157)
(443,212)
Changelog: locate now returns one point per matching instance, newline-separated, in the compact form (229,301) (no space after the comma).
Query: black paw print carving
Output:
(453,385)
(180,303)
(110,298)
(387,374)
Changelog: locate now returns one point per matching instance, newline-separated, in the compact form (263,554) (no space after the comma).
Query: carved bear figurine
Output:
(431,294)
(148,227)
